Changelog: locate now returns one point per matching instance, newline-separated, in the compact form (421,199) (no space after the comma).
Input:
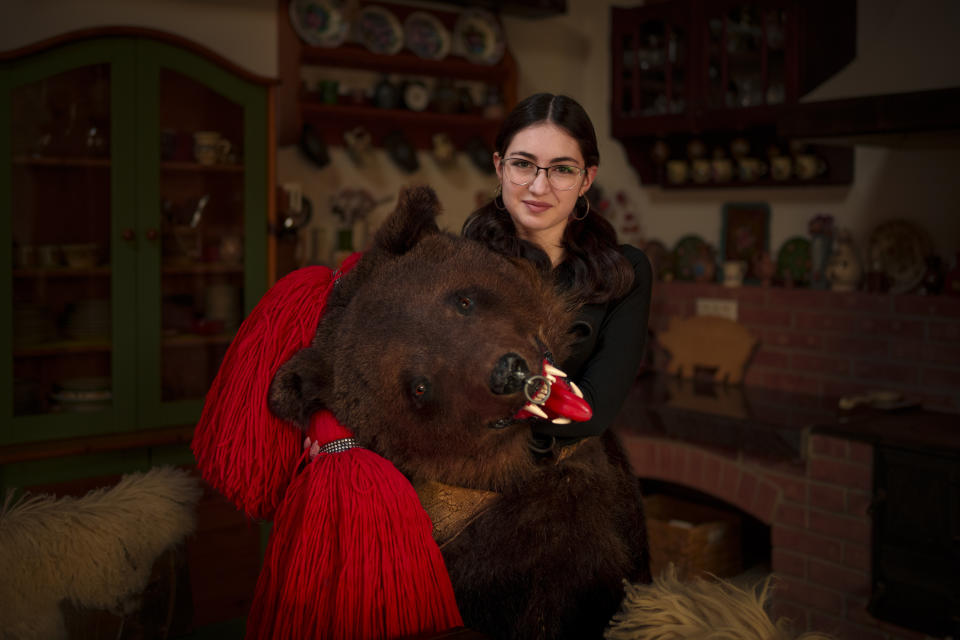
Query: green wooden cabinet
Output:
(134,186)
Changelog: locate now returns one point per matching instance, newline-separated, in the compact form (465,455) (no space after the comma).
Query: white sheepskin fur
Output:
(97,551)
(697,609)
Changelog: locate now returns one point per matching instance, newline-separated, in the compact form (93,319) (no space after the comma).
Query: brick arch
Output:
(817,513)
(717,475)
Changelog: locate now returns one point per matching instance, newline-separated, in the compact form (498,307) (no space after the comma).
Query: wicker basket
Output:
(696,538)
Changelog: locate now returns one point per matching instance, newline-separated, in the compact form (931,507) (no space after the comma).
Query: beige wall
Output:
(570,54)
(243,31)
(901,44)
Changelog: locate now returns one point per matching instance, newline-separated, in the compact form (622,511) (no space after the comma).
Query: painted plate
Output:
(426,36)
(899,249)
(478,38)
(319,22)
(379,30)
(794,261)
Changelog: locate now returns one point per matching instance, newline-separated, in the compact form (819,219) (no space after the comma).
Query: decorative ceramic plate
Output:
(478,38)
(688,258)
(426,36)
(379,30)
(319,22)
(660,258)
(899,249)
(794,261)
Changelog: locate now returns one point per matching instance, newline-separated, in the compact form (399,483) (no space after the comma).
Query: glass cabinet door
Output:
(61,243)
(196,276)
(655,68)
(64,368)
(746,56)
(201,233)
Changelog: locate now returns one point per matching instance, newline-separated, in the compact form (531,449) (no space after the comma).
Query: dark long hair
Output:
(593,269)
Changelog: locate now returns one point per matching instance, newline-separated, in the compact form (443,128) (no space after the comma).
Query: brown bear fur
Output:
(404,356)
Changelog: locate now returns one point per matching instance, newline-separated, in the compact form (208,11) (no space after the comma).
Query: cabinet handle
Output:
(152,235)
(128,235)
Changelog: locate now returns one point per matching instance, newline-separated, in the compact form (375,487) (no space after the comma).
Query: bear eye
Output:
(421,392)
(463,303)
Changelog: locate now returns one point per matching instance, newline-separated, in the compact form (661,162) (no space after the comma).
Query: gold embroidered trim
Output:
(452,508)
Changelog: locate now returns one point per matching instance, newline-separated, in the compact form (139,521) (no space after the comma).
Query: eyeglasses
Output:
(562,177)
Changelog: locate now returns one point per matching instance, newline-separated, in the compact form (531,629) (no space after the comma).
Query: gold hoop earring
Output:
(585,213)
(498,199)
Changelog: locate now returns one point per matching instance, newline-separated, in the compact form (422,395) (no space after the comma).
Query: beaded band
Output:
(339,446)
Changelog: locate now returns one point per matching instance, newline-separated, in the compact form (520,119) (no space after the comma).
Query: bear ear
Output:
(297,390)
(412,220)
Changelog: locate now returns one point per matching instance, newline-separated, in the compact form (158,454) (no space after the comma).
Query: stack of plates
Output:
(89,320)
(76,395)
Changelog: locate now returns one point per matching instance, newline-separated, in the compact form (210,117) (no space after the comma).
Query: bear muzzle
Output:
(550,395)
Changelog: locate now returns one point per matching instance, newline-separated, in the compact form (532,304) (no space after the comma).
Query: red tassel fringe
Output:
(243,450)
(351,555)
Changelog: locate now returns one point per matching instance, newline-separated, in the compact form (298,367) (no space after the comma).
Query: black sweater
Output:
(606,356)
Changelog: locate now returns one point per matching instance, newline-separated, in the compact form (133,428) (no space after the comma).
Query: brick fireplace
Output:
(817,514)
(814,494)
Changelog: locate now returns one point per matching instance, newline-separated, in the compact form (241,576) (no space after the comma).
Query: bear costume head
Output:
(426,351)
(423,351)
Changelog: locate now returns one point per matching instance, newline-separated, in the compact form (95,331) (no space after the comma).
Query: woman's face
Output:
(540,211)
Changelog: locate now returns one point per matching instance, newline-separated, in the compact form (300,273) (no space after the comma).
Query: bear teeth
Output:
(542,394)
(535,410)
(561,420)
(551,370)
(576,389)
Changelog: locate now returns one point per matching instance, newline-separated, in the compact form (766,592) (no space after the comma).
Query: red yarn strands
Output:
(351,556)
(242,449)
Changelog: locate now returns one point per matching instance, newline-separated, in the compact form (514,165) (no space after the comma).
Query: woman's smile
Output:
(536,206)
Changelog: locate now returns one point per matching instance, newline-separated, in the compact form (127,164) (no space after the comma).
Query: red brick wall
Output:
(833,344)
(817,514)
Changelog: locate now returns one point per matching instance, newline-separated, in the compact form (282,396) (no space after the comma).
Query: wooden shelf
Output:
(79,162)
(194,269)
(196,166)
(61,272)
(194,340)
(62,347)
(404,62)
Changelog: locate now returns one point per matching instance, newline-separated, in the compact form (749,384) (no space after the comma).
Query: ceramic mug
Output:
(677,171)
(209,147)
(443,149)
(781,167)
(49,255)
(722,170)
(359,144)
(702,171)
(750,169)
(809,166)
(733,272)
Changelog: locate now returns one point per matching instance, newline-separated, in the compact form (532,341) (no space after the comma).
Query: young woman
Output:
(546,159)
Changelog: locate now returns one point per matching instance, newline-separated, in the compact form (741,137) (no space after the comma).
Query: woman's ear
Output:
(497,164)
(588,179)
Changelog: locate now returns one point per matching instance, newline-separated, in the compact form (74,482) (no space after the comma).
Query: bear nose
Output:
(508,374)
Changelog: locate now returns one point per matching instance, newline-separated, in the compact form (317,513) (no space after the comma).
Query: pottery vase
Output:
(821,246)
(844,270)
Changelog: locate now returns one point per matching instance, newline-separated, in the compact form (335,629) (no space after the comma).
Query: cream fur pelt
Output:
(697,609)
(97,551)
